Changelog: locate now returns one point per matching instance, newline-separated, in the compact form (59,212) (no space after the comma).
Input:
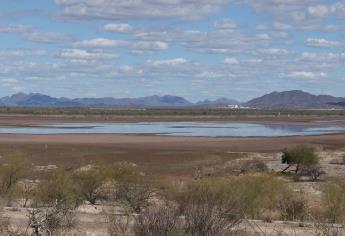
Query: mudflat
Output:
(156,154)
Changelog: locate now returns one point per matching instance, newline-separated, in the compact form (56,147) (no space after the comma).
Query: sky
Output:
(198,49)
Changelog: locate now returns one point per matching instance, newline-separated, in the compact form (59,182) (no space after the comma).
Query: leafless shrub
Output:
(25,191)
(208,211)
(158,221)
(134,195)
(120,225)
(314,172)
(51,221)
(293,206)
(253,166)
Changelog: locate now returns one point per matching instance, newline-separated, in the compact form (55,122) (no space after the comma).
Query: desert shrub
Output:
(59,190)
(11,172)
(120,225)
(333,202)
(314,172)
(208,208)
(247,195)
(51,220)
(24,191)
(134,194)
(89,182)
(253,166)
(157,220)
(293,206)
(120,172)
(300,156)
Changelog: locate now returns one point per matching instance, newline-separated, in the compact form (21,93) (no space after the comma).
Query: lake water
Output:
(206,129)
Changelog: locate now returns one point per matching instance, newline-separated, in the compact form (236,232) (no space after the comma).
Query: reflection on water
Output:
(181,129)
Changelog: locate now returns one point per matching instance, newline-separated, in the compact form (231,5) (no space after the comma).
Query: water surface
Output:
(207,129)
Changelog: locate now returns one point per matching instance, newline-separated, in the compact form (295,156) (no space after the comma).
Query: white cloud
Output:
(45,37)
(231,61)
(87,55)
(319,42)
(171,62)
(225,24)
(118,28)
(100,43)
(143,9)
(147,46)
(306,75)
(23,53)
(32,34)
(275,51)
(15,28)
(318,11)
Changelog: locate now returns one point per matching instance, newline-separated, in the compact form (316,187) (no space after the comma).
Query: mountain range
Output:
(41,100)
(294,99)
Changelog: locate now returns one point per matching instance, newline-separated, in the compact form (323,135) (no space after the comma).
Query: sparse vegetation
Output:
(134,202)
(334,202)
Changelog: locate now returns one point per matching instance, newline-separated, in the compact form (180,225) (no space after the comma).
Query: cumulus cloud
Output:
(45,37)
(322,11)
(87,55)
(144,9)
(23,53)
(225,24)
(323,43)
(306,75)
(275,51)
(170,62)
(147,46)
(118,28)
(32,34)
(100,43)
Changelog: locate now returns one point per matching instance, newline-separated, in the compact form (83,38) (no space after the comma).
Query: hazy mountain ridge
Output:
(41,100)
(295,99)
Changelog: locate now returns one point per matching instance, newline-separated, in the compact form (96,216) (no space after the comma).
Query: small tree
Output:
(301,156)
(58,190)
(135,194)
(11,172)
(89,182)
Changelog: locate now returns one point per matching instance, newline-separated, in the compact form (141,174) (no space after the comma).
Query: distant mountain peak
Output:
(296,99)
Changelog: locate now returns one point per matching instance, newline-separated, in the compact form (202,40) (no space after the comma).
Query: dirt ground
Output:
(157,155)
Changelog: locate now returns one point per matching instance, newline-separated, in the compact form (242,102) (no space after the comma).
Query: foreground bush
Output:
(333,202)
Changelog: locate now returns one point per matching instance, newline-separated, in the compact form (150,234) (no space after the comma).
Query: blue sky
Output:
(198,49)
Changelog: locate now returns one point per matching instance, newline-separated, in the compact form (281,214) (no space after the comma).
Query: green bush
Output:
(15,169)
(59,190)
(301,156)
(89,182)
